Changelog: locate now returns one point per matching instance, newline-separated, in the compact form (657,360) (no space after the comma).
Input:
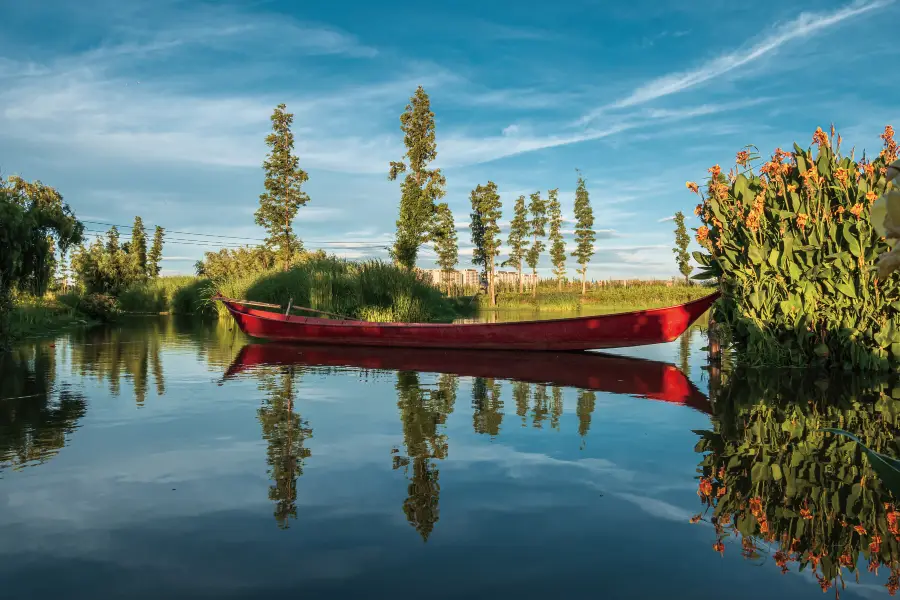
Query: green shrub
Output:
(795,254)
(371,290)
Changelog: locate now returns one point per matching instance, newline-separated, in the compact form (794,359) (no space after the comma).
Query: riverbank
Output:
(39,317)
(608,298)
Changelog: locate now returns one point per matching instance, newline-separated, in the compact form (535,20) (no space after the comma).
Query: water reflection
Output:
(777,487)
(36,413)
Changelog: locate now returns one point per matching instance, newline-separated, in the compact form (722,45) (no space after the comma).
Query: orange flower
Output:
(870,169)
(820,138)
(873,566)
(705,487)
(801,220)
(742,157)
(860,530)
(721,492)
(763,526)
(890,146)
(792,187)
(692,186)
(702,235)
(755,506)
(716,170)
(719,547)
(841,175)
(695,519)
(871,196)
(846,559)
(856,209)
(892,523)
(805,514)
(875,544)
(721,472)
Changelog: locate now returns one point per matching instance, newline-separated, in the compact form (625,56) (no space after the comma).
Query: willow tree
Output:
(584,230)
(682,239)
(33,220)
(537,229)
(518,238)
(557,245)
(485,217)
(283,196)
(155,254)
(445,241)
(422,186)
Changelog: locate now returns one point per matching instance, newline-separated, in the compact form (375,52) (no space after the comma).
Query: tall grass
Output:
(371,290)
(625,298)
(33,316)
(178,294)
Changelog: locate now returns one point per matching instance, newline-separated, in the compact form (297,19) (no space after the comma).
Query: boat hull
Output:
(598,332)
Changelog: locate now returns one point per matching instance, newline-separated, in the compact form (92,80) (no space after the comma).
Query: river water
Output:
(161,459)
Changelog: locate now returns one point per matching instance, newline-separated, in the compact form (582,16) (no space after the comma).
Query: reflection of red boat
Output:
(590,371)
(580,333)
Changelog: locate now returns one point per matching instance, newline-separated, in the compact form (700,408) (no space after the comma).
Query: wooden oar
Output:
(279,307)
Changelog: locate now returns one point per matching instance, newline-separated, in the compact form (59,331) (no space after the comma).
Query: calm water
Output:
(165,460)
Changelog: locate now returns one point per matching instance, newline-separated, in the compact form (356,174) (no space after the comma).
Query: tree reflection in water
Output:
(285,433)
(424,414)
(773,482)
(36,413)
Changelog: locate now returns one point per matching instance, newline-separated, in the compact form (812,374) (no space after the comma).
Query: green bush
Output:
(370,290)
(614,297)
(794,252)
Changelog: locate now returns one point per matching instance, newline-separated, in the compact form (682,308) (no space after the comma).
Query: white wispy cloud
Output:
(804,26)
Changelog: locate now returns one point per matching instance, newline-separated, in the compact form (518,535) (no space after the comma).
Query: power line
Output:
(189,241)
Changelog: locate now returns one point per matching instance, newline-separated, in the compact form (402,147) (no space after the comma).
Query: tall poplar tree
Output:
(283,197)
(137,251)
(682,239)
(155,254)
(422,186)
(584,230)
(485,217)
(445,241)
(518,238)
(557,245)
(537,229)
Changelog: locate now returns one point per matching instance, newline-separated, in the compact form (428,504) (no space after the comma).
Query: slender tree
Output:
(682,239)
(283,196)
(584,230)
(557,245)
(422,186)
(518,238)
(537,229)
(485,217)
(137,251)
(155,254)
(445,241)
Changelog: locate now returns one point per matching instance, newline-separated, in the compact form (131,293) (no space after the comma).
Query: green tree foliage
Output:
(584,230)
(518,239)
(283,196)
(584,409)
(235,262)
(794,252)
(108,266)
(485,219)
(137,251)
(422,187)
(155,254)
(537,229)
(445,240)
(285,433)
(34,220)
(682,239)
(557,245)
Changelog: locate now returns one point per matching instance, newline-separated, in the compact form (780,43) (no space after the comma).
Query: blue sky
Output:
(161,108)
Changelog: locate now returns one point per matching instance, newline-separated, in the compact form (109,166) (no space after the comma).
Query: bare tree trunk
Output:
(583,280)
(521,281)
(491,289)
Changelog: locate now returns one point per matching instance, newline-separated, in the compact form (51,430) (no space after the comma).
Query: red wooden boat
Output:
(587,370)
(618,330)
